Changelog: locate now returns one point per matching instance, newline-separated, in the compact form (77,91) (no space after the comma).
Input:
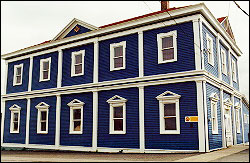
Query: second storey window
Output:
(214,118)
(45,69)
(117,56)
(223,61)
(14,119)
(167,47)
(18,73)
(77,63)
(234,71)
(42,118)
(210,54)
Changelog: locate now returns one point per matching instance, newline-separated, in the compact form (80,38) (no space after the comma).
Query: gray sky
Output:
(27,23)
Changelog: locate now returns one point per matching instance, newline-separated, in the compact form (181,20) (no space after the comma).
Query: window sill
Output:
(167,61)
(14,132)
(170,132)
(117,132)
(74,75)
(215,133)
(44,80)
(77,133)
(42,132)
(115,69)
(17,84)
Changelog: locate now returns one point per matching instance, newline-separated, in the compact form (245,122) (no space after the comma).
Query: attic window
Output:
(76,29)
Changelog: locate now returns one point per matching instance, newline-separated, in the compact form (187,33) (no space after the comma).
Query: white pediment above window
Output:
(228,102)
(75,103)
(42,105)
(15,107)
(116,99)
(237,105)
(168,95)
(214,97)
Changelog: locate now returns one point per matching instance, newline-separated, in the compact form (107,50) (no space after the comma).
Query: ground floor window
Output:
(14,118)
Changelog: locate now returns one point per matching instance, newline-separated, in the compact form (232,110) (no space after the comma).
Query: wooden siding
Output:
(246,126)
(236,85)
(131,138)
(81,30)
(185,50)
(225,78)
(188,137)
(20,137)
(52,83)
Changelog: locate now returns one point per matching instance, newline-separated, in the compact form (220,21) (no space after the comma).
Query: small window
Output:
(167,47)
(214,118)
(210,54)
(45,69)
(246,119)
(117,115)
(117,56)
(42,118)
(14,119)
(234,71)
(77,64)
(169,113)
(224,63)
(18,73)
(76,117)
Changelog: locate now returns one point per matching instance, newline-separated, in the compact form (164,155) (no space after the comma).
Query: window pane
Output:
(16,117)
(78,59)
(78,69)
(77,114)
(18,71)
(43,115)
(169,110)
(118,62)
(77,126)
(214,123)
(45,74)
(45,65)
(18,79)
(168,54)
(15,128)
(214,110)
(43,126)
(170,123)
(167,42)
(118,125)
(118,112)
(118,51)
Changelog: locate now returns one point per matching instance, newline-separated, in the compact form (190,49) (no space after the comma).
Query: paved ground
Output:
(233,154)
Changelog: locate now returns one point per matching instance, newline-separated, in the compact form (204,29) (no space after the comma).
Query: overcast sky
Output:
(27,23)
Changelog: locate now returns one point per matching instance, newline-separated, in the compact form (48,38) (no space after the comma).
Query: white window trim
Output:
(41,69)
(210,51)
(73,54)
(15,71)
(170,99)
(117,101)
(112,55)
(75,104)
(246,120)
(14,109)
(223,53)
(42,107)
(214,100)
(237,114)
(159,42)
(234,75)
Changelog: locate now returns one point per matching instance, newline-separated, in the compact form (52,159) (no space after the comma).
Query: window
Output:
(214,118)
(210,54)
(42,118)
(14,119)
(167,47)
(234,71)
(18,73)
(224,63)
(117,56)
(76,117)
(77,63)
(169,113)
(237,117)
(45,69)
(117,124)
(246,119)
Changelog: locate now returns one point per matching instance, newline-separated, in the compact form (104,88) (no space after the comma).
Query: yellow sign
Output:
(191,119)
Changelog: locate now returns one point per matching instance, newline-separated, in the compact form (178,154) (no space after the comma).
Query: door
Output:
(228,126)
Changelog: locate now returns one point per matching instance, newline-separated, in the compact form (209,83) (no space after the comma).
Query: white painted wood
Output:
(59,72)
(58,121)
(95,120)
(27,123)
(242,121)
(30,73)
(222,119)
(141,54)
(197,43)
(205,114)
(234,122)
(141,119)
(218,57)
(96,61)
(3,119)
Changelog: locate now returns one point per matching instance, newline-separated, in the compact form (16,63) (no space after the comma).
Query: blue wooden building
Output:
(166,81)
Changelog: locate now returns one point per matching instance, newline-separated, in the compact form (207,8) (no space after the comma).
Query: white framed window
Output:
(77,63)
(234,71)
(169,113)
(237,117)
(45,68)
(118,56)
(210,54)
(76,117)
(42,118)
(246,119)
(18,74)
(214,118)
(14,119)
(167,47)
(223,61)
(117,120)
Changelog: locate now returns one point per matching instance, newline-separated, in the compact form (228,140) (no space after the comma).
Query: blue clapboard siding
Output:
(20,137)
(188,137)
(67,80)
(84,139)
(131,138)
(52,83)
(245,110)
(131,59)
(185,50)
(236,84)
(25,77)
(215,140)
(212,69)
(238,135)
(44,139)
(225,78)
(81,30)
